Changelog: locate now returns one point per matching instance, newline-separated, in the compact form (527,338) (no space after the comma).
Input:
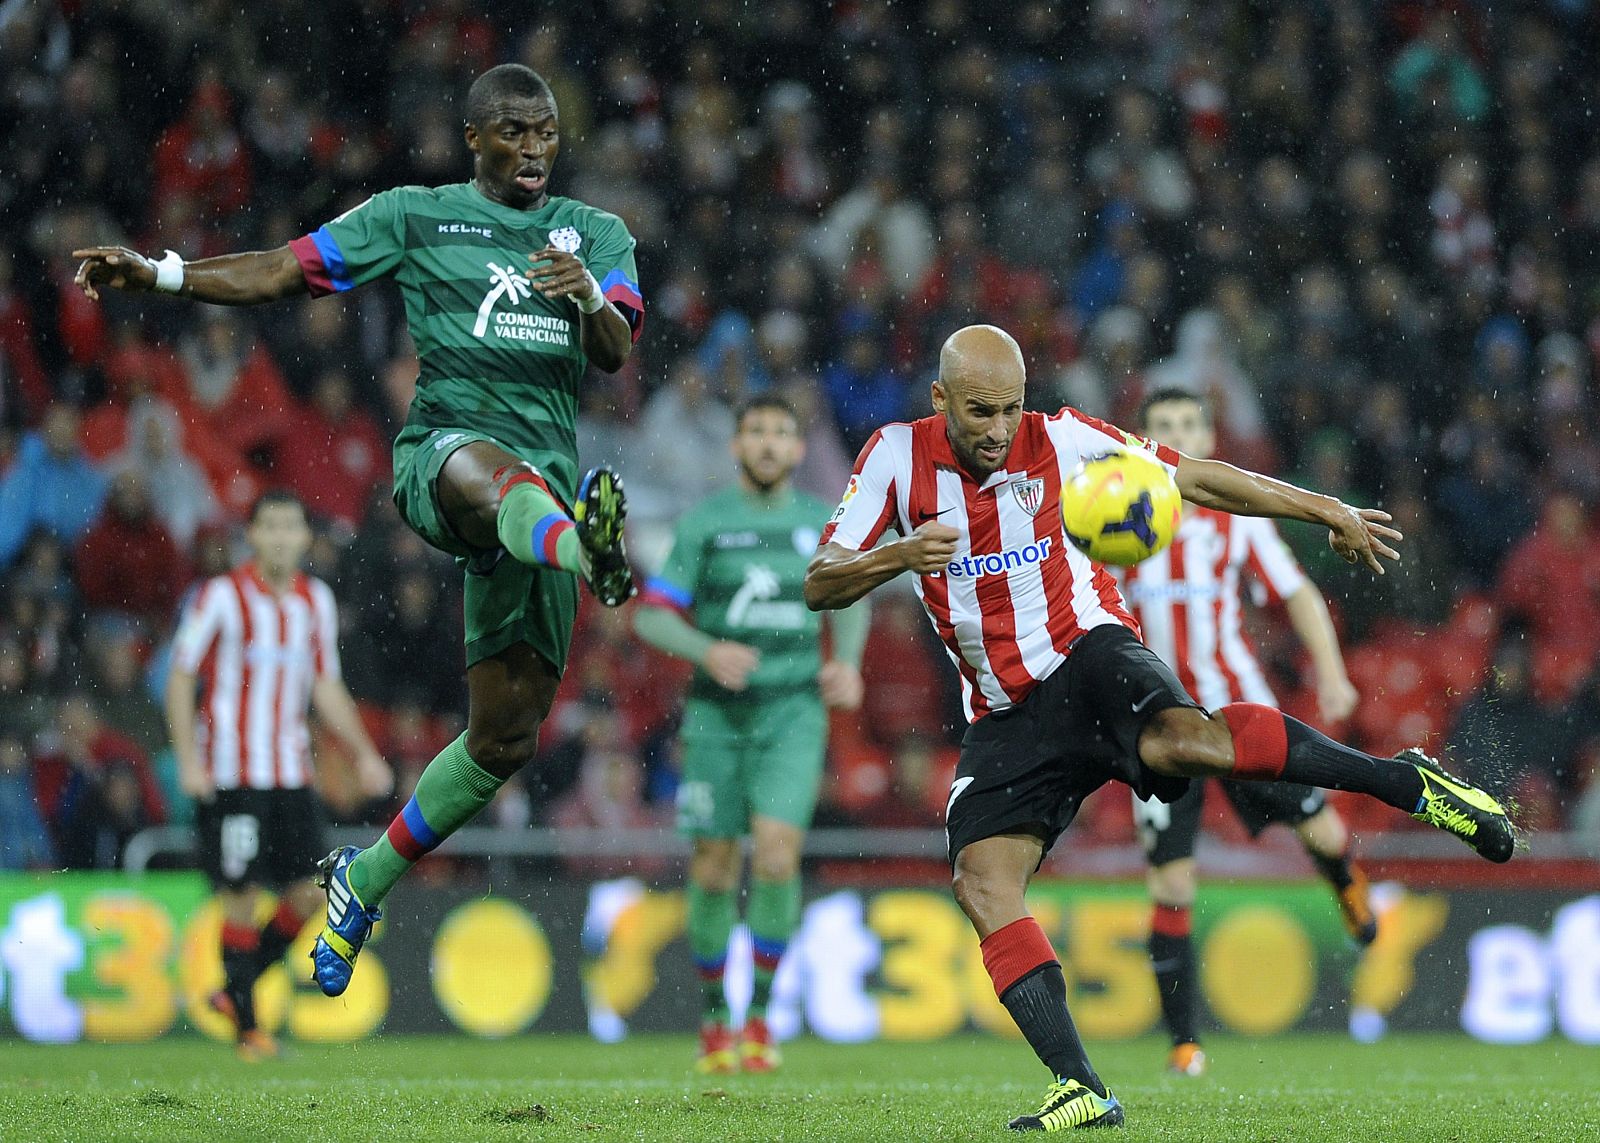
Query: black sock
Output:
(1172,957)
(1038,1003)
(1334,870)
(1317,760)
(273,945)
(239,971)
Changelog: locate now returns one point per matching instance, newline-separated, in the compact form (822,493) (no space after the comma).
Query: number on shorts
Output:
(241,841)
(1151,815)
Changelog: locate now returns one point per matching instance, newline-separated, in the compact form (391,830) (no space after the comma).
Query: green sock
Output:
(450,792)
(773,916)
(535,528)
(711,917)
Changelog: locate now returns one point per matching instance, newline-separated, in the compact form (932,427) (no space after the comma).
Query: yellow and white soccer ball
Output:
(1120,507)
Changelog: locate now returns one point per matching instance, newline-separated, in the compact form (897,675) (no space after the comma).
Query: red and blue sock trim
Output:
(547,533)
(767,953)
(411,835)
(709,970)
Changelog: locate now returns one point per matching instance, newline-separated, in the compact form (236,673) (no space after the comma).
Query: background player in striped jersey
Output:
(755,725)
(1187,602)
(510,295)
(1061,695)
(262,641)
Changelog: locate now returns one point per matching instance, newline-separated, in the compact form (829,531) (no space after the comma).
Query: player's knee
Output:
(776,865)
(503,750)
(1173,884)
(983,897)
(714,865)
(1184,742)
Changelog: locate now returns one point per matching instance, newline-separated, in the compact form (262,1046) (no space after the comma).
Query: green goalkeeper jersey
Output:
(736,570)
(495,355)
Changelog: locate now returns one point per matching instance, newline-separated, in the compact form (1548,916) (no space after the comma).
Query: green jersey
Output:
(495,355)
(737,569)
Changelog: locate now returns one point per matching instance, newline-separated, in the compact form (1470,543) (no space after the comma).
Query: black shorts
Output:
(1033,764)
(1168,832)
(260,837)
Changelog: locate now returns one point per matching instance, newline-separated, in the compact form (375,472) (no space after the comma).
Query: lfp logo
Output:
(996,563)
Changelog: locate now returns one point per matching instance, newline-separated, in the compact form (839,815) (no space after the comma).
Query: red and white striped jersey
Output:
(257,654)
(1017,596)
(1186,599)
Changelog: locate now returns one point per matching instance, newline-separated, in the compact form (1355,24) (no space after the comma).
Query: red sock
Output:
(1260,740)
(287,920)
(1015,950)
(1171,920)
(239,938)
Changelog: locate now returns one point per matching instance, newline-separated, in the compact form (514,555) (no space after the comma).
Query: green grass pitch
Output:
(1321,1088)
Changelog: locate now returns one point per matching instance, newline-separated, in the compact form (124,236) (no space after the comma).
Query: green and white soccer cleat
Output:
(1461,808)
(1068,1105)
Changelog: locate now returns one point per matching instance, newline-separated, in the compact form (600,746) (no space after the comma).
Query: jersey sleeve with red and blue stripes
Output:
(611,262)
(363,243)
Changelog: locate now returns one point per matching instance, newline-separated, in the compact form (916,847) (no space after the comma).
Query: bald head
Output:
(984,353)
(979,392)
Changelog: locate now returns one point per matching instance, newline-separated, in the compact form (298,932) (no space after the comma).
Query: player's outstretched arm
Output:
(1308,613)
(228,280)
(838,576)
(1357,534)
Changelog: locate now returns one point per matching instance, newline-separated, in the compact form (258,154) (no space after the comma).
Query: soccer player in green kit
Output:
(510,293)
(755,725)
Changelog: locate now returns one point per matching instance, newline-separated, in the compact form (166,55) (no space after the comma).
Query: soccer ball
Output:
(1120,507)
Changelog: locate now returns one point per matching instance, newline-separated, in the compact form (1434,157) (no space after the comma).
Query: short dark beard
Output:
(765,489)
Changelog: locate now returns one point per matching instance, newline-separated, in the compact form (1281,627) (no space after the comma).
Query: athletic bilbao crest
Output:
(1029,494)
(567,240)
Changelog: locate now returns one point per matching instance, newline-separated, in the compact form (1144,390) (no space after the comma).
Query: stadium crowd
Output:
(1368,233)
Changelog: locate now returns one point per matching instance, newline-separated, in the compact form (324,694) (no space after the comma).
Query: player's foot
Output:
(757,1052)
(719,1054)
(255,1047)
(1187,1060)
(1460,808)
(1069,1104)
(599,513)
(349,924)
(1356,909)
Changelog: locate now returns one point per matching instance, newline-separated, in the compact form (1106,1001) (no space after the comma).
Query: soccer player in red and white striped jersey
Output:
(1188,602)
(1061,695)
(261,646)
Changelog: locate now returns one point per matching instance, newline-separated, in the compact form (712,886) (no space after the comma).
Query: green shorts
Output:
(761,756)
(506,602)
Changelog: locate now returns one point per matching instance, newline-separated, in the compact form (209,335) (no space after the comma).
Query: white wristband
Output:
(596,300)
(169,273)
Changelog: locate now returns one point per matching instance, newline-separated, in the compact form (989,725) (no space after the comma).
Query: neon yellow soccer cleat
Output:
(1460,808)
(1068,1105)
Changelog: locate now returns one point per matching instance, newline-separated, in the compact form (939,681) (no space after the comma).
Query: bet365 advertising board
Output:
(112,958)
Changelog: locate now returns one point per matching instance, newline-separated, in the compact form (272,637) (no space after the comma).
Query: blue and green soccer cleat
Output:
(1067,1105)
(349,924)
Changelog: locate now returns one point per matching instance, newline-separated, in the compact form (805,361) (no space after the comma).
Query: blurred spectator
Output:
(51,485)
(1508,742)
(95,786)
(1204,363)
(332,453)
(117,681)
(876,223)
(864,387)
(235,387)
(202,154)
(683,438)
(177,489)
(24,844)
(127,562)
